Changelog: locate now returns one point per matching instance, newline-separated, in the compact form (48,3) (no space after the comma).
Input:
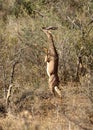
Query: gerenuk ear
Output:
(50,28)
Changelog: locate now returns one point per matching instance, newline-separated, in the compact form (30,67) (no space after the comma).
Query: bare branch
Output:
(73,22)
(8,94)
(12,72)
(11,82)
(36,11)
(89,31)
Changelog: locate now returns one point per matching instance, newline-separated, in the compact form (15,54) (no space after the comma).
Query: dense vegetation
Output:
(23,47)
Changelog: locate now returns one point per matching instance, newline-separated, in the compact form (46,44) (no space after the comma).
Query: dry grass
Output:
(41,111)
(32,107)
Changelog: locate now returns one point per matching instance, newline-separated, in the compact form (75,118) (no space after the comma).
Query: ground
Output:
(40,110)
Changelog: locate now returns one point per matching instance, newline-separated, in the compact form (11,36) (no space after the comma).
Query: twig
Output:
(90,22)
(8,94)
(89,31)
(36,11)
(76,122)
(73,22)
(4,82)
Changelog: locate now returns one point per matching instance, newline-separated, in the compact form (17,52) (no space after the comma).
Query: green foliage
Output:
(24,6)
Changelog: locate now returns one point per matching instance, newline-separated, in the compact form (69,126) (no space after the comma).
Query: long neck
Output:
(51,43)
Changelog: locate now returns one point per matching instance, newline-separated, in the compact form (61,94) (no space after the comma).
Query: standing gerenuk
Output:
(52,64)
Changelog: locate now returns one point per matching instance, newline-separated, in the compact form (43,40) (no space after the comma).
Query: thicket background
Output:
(23,46)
